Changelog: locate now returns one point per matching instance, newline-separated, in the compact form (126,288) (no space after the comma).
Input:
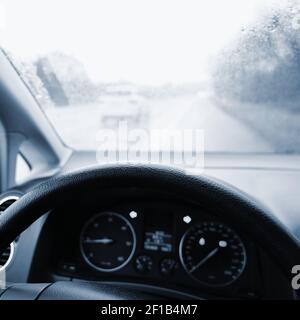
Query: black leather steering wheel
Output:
(237,207)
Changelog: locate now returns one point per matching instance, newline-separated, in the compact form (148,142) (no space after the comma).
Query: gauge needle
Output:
(101,241)
(211,254)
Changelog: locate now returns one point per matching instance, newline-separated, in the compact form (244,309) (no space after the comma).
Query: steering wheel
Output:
(251,217)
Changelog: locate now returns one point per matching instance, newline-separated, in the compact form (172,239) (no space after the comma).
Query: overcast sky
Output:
(151,41)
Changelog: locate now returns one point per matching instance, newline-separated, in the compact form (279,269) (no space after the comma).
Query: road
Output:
(222,132)
(78,125)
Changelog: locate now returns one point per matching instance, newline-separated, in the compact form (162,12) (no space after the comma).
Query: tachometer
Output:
(213,254)
(107,241)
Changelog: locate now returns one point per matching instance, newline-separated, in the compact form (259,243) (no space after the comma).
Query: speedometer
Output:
(212,253)
(107,241)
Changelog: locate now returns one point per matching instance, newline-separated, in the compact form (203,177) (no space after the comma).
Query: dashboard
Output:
(162,243)
(210,252)
(170,245)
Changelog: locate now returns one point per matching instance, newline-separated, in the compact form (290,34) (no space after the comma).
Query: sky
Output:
(143,41)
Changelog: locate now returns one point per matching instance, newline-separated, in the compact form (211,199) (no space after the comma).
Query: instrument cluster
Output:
(163,244)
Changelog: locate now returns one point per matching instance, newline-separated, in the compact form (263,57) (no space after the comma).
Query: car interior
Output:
(76,227)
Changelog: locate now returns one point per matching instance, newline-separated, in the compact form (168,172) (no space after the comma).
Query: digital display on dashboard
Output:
(158,233)
(158,240)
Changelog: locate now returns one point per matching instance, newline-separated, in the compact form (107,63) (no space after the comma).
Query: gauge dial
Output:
(107,241)
(213,254)
(143,264)
(168,266)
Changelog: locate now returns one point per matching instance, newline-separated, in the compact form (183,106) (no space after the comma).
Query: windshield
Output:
(228,68)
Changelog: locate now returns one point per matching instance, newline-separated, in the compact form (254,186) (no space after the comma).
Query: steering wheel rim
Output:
(252,216)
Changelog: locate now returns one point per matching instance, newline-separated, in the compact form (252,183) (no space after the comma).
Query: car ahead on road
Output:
(131,109)
(221,221)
